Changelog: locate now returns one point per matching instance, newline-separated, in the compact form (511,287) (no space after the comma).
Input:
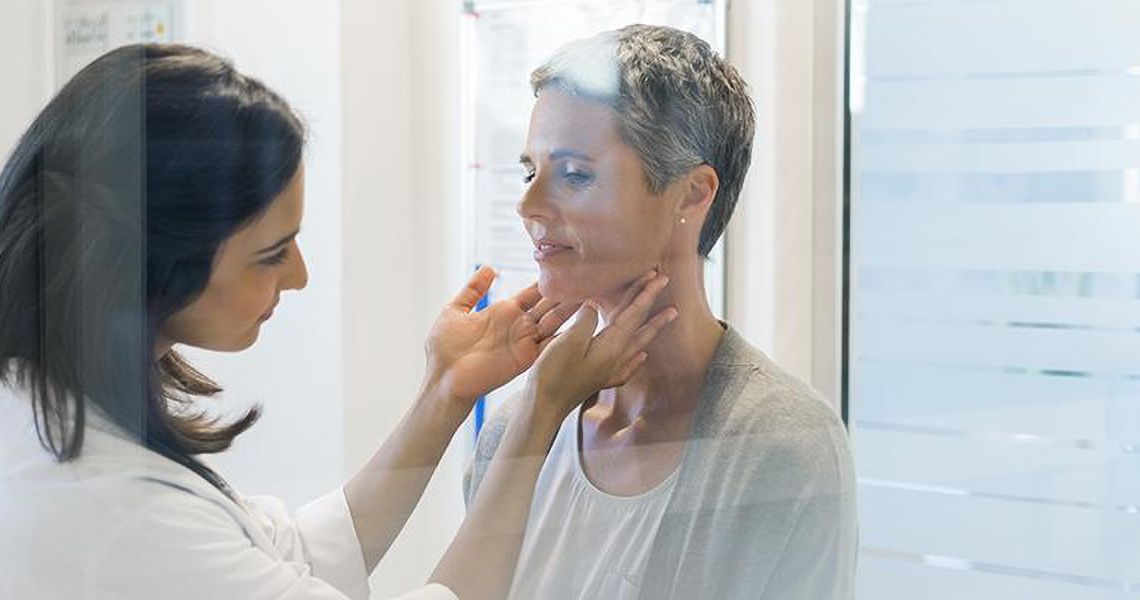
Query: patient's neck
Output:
(667,386)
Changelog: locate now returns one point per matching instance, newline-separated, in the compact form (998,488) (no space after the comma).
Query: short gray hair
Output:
(679,105)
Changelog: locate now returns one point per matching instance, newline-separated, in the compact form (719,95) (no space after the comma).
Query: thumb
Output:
(473,292)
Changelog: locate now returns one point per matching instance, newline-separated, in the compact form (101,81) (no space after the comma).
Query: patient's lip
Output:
(546,245)
(545,249)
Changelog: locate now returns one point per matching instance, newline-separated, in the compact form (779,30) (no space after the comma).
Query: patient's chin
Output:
(559,289)
(572,290)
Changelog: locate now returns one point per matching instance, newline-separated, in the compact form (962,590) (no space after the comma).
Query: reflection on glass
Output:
(995,299)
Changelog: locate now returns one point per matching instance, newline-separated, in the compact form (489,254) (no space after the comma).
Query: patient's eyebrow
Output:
(558,154)
(561,153)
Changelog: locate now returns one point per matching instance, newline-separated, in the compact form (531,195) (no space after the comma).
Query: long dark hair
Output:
(112,208)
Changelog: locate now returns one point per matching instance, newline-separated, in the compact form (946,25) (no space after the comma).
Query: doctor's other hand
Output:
(577,364)
(471,353)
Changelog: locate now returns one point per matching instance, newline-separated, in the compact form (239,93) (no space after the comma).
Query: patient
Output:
(712,473)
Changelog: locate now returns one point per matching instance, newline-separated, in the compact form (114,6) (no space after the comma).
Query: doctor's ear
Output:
(700,187)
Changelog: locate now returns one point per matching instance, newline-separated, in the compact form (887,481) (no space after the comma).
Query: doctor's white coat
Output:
(122,522)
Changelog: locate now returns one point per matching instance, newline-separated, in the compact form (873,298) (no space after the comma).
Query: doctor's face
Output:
(252,268)
(588,209)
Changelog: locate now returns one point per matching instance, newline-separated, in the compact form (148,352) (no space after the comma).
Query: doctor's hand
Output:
(578,364)
(471,353)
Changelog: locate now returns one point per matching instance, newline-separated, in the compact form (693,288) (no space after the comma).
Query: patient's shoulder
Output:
(757,416)
(746,391)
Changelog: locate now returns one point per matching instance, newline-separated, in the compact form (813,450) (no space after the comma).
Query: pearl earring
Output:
(683,221)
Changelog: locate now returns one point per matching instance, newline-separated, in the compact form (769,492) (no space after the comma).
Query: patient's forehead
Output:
(564,119)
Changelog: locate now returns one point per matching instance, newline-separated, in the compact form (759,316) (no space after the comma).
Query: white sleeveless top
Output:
(580,542)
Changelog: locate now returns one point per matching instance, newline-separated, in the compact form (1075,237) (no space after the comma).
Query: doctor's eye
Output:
(276,259)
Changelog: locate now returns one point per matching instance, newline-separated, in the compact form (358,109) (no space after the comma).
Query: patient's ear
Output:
(700,187)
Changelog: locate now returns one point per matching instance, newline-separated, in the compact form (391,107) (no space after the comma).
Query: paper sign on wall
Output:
(86,29)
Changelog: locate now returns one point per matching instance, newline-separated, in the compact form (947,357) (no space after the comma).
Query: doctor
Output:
(154,203)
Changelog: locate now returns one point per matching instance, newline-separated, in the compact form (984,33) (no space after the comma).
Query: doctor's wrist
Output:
(443,403)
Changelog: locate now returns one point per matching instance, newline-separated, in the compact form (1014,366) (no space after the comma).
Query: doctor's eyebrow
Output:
(279,243)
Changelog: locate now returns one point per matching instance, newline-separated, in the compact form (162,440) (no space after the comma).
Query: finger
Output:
(529,297)
(631,319)
(544,306)
(477,287)
(524,329)
(633,289)
(644,335)
(554,319)
(585,323)
(628,370)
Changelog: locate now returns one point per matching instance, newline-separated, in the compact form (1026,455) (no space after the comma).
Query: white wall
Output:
(296,369)
(401,245)
(25,68)
(782,287)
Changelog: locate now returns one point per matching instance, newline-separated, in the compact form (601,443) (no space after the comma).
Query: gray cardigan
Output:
(764,505)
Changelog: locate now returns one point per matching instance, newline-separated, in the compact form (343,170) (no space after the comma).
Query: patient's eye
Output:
(528,177)
(576,175)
